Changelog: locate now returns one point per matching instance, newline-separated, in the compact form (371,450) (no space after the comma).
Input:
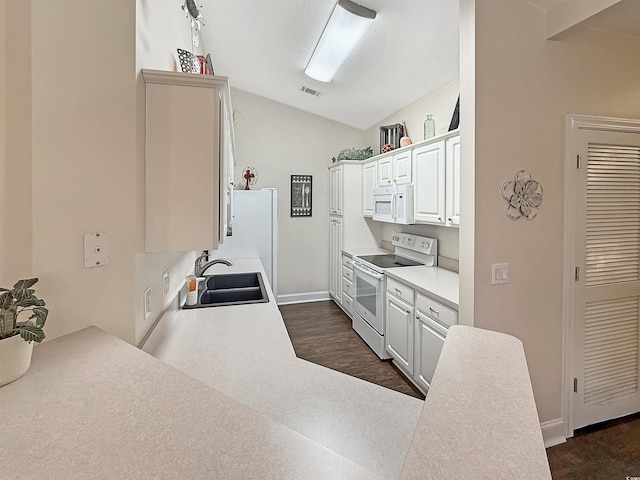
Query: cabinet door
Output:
(369,182)
(335,258)
(399,333)
(384,172)
(429,341)
(453,181)
(429,183)
(182,168)
(402,168)
(335,190)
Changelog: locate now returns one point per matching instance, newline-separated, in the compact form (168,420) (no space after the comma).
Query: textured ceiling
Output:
(263,47)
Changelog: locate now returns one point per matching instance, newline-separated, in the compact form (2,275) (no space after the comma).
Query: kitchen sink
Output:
(231,289)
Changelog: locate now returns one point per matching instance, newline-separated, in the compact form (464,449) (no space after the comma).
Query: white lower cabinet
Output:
(416,327)
(347,285)
(399,333)
(429,340)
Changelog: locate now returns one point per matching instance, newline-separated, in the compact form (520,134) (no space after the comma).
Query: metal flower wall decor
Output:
(523,195)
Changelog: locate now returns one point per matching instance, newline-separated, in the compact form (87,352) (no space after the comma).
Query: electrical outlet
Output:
(165,284)
(147,302)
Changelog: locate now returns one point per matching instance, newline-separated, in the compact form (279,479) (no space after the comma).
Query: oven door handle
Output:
(377,276)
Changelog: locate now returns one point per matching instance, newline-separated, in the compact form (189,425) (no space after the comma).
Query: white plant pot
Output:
(15,358)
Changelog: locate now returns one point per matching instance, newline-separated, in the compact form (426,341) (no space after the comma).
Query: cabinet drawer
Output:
(347,303)
(347,273)
(347,287)
(400,290)
(437,311)
(346,262)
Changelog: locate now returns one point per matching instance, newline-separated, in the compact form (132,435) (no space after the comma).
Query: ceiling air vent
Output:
(310,91)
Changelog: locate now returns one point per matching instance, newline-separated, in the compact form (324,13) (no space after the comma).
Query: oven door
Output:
(368,299)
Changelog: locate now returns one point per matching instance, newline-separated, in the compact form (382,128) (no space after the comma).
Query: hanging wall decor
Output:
(301,189)
(523,195)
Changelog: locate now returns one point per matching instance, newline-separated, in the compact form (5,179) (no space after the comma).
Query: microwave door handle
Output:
(394,206)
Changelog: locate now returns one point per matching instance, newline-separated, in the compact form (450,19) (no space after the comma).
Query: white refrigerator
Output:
(254,227)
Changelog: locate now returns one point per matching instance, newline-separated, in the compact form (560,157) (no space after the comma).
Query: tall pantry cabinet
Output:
(348,228)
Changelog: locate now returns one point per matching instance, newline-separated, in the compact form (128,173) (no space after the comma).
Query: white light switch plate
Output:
(96,249)
(499,273)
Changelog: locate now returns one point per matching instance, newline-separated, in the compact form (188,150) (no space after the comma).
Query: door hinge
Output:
(575,385)
(577,274)
(578,161)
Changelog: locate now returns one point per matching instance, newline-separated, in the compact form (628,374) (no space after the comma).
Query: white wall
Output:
(74,146)
(3,280)
(16,256)
(83,138)
(280,141)
(524,86)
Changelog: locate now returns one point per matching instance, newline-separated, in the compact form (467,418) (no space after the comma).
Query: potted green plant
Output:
(22,319)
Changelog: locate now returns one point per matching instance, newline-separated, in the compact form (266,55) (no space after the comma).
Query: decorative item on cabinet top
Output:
(390,136)
(250,176)
(455,119)
(301,190)
(354,154)
(189,62)
(405,140)
(523,195)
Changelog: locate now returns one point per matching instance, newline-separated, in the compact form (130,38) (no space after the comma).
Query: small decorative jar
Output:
(429,127)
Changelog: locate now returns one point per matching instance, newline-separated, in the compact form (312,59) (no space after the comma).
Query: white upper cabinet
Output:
(395,169)
(336,187)
(385,174)
(188,160)
(429,178)
(453,181)
(401,168)
(369,182)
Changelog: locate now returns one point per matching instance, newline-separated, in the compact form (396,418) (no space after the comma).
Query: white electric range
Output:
(370,286)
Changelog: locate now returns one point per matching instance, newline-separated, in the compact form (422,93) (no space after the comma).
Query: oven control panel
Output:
(416,243)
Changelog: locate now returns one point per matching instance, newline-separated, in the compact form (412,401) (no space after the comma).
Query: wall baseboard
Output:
(303,297)
(553,432)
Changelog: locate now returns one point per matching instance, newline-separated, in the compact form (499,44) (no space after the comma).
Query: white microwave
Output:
(393,204)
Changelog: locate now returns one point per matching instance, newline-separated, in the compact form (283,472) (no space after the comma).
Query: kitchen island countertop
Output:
(93,406)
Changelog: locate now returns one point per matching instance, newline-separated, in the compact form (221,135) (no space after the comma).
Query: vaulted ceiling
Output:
(411,49)
(263,46)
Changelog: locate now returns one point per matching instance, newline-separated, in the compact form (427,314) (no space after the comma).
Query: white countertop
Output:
(479,419)
(435,282)
(353,252)
(243,406)
(244,351)
(94,407)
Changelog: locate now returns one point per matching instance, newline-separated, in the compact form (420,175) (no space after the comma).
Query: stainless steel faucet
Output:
(199,268)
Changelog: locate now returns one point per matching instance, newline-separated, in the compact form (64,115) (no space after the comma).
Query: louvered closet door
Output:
(608,292)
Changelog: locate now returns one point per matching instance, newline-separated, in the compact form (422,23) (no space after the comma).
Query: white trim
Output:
(553,432)
(303,297)
(573,124)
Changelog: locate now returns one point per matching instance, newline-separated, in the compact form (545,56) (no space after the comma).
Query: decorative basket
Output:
(390,135)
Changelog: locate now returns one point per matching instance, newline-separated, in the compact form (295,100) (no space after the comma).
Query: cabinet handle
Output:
(449,220)
(435,312)
(399,291)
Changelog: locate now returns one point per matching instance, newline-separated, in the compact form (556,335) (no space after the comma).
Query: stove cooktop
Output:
(389,260)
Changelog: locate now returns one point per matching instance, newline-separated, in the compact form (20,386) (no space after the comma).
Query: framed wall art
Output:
(301,193)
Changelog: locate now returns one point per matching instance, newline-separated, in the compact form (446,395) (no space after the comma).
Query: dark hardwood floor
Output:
(321,333)
(609,450)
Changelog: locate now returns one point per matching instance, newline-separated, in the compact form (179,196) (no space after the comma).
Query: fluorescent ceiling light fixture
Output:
(346,26)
